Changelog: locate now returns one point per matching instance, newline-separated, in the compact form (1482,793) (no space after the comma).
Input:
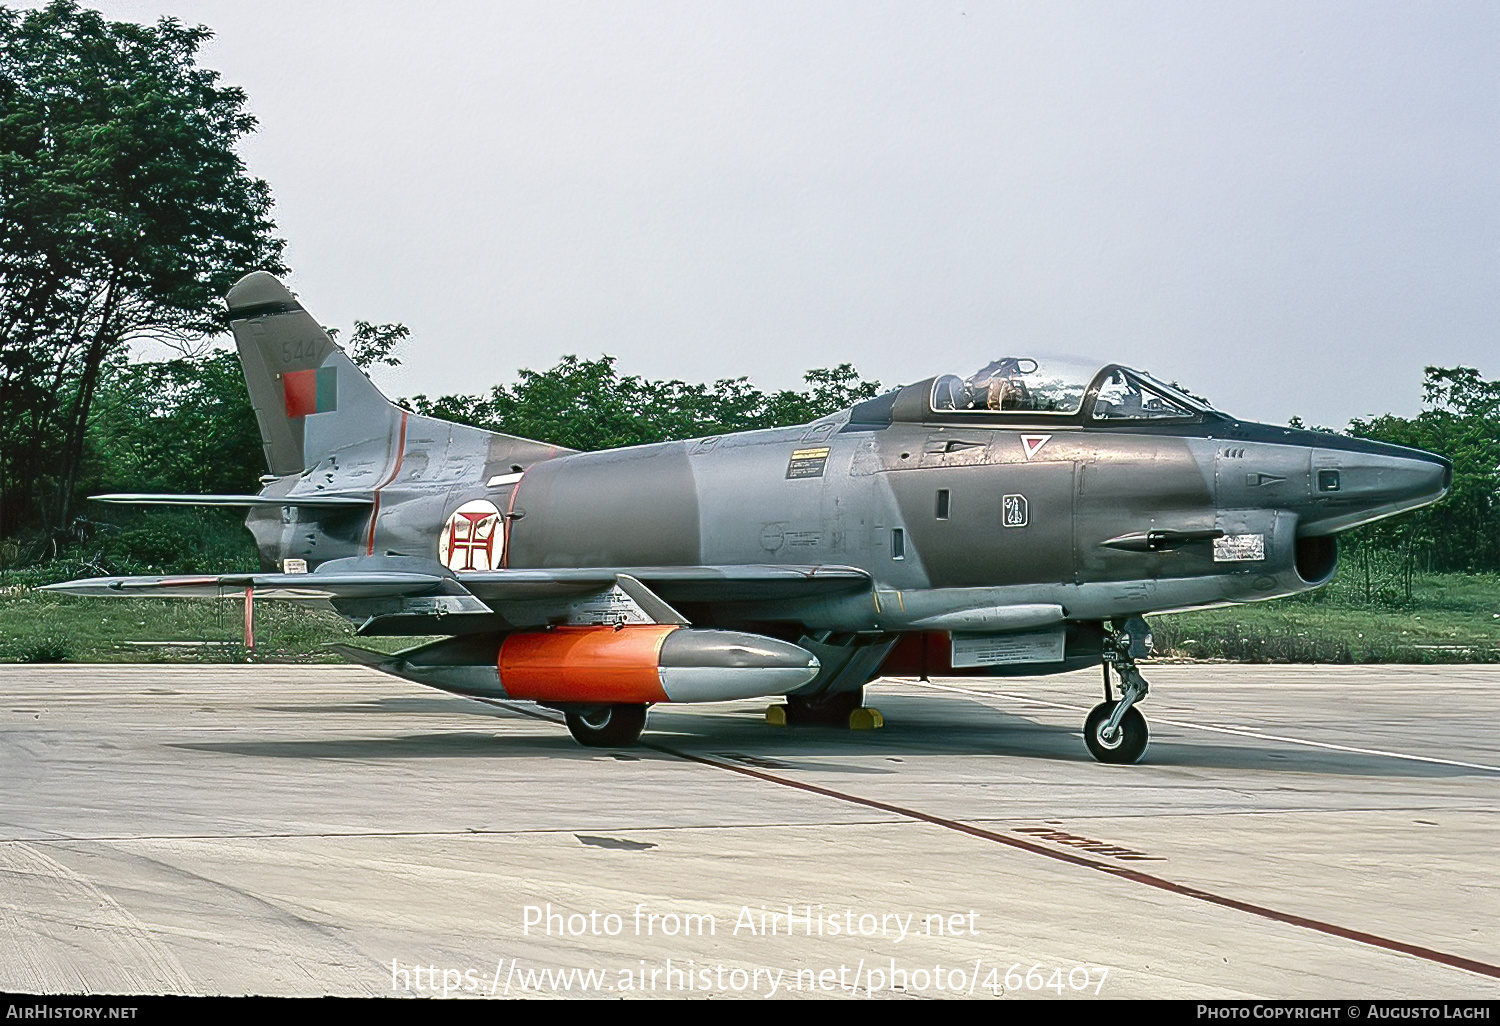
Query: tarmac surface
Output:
(1294,832)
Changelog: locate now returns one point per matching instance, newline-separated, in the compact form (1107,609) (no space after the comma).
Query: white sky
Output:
(1291,208)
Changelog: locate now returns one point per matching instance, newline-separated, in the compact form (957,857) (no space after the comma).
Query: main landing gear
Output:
(846,663)
(1116,731)
(606,726)
(840,709)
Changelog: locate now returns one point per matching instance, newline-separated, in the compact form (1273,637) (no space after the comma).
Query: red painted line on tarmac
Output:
(1117,871)
(1120,872)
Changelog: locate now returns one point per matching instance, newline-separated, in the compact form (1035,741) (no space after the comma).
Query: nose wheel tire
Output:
(607,726)
(1129,742)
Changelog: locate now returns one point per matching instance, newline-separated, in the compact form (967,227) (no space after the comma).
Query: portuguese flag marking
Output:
(310,391)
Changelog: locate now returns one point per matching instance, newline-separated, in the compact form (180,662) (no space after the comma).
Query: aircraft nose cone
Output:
(1431,478)
(1358,485)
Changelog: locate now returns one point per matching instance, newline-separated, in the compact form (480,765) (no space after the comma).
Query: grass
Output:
(1450,618)
(37,627)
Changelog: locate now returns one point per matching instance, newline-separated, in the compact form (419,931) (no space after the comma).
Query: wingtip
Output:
(361,656)
(86,587)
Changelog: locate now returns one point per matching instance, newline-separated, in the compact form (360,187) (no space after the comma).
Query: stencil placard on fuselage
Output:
(807,463)
(1001,649)
(1240,548)
(606,609)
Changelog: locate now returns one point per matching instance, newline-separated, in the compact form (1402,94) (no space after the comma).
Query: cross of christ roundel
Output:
(473,538)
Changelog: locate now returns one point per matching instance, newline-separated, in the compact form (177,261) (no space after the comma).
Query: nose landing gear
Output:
(1116,732)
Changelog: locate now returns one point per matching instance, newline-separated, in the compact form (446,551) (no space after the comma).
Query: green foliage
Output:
(135,540)
(124,214)
(373,343)
(1450,618)
(586,404)
(1459,421)
(39,627)
(152,540)
(41,650)
(178,426)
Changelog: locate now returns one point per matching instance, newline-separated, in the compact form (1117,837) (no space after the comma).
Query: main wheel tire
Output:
(1128,744)
(607,726)
(824,710)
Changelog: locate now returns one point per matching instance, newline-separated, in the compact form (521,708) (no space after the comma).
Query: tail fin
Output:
(309,398)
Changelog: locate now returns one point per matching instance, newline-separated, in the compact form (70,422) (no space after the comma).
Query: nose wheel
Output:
(1115,731)
(1125,744)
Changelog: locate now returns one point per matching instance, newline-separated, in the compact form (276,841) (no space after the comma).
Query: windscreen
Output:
(1124,396)
(1017,384)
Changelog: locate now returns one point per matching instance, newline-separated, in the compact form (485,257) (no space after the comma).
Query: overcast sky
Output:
(1291,208)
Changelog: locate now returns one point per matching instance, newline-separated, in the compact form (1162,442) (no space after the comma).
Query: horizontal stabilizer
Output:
(322,501)
(281,586)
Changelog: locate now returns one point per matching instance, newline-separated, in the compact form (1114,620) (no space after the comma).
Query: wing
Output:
(401,595)
(746,583)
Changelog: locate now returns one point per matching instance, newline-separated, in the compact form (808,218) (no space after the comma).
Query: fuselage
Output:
(979,520)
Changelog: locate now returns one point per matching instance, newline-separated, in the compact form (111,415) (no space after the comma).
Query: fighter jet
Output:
(1021,520)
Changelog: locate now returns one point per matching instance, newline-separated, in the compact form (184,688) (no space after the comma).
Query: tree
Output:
(177,426)
(125,213)
(586,404)
(373,343)
(1459,422)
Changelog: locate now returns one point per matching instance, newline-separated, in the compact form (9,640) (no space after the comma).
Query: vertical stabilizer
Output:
(310,399)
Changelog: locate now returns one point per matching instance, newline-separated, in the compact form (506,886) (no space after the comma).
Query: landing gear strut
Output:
(606,726)
(1116,731)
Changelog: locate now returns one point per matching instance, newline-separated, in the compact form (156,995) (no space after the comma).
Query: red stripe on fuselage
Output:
(395,469)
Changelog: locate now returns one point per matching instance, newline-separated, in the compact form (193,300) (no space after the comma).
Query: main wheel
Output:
(1129,742)
(607,726)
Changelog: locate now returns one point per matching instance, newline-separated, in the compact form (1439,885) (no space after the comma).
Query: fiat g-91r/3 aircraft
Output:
(1020,520)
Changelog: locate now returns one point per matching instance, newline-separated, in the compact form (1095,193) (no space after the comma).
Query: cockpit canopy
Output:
(1060,387)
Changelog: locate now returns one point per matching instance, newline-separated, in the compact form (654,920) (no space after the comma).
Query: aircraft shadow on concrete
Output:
(446,745)
(402,705)
(915,727)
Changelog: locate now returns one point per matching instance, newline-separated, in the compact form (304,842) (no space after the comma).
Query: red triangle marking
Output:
(1032,443)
